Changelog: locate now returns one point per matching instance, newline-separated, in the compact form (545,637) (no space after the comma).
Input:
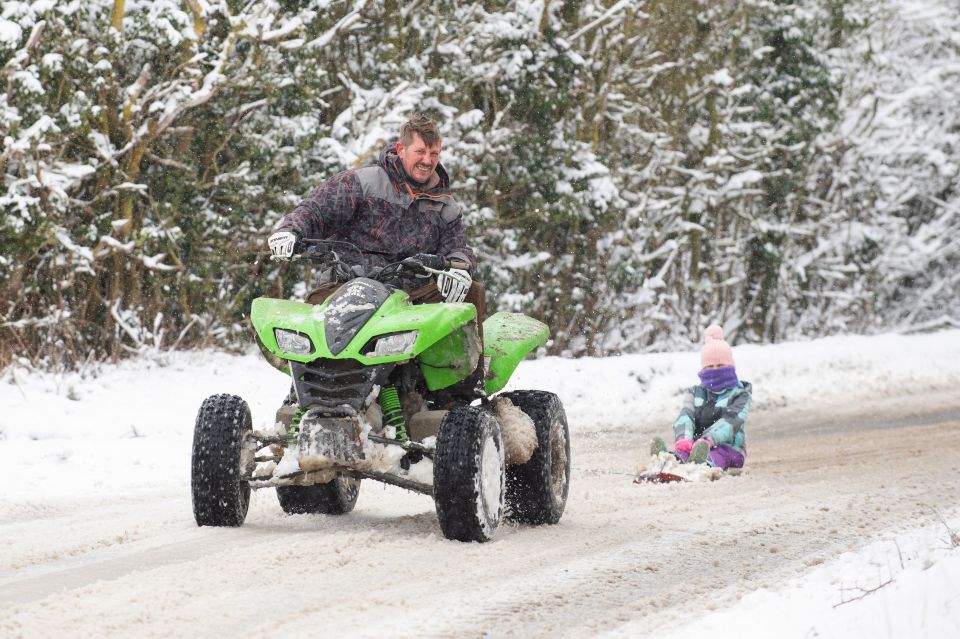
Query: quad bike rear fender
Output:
(508,338)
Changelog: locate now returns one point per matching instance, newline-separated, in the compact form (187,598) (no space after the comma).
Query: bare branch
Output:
(864,593)
(167,162)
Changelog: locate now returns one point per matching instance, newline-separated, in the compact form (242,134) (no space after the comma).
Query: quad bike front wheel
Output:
(336,497)
(537,490)
(468,474)
(223,452)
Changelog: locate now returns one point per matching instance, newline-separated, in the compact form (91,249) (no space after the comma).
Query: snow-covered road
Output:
(97,537)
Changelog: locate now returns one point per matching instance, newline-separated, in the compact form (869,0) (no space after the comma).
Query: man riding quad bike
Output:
(372,376)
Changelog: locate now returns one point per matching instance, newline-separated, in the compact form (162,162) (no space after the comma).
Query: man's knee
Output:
(320,294)
(476,291)
(477,295)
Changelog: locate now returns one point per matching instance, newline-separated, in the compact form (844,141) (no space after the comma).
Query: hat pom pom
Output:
(713,332)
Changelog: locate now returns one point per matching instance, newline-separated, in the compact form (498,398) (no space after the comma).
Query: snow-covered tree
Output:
(630,171)
(887,175)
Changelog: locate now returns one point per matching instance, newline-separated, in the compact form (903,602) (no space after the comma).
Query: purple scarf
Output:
(718,379)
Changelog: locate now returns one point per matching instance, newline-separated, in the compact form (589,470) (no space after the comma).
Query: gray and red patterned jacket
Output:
(377,208)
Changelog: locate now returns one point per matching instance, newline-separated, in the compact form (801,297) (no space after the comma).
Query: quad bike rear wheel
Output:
(223,452)
(468,474)
(336,497)
(537,490)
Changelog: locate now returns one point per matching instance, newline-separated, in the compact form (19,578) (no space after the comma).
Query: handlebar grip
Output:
(427,260)
(435,262)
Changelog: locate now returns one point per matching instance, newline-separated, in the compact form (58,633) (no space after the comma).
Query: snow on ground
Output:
(906,585)
(127,430)
(117,432)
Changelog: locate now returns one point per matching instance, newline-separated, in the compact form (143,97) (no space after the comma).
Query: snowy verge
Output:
(161,396)
(644,391)
(905,585)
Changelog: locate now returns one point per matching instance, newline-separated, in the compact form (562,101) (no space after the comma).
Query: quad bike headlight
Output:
(396,344)
(293,342)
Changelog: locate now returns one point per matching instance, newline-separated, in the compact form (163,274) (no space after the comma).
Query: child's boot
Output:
(657,446)
(699,452)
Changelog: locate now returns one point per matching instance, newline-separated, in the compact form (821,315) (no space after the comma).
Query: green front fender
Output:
(507,339)
(433,322)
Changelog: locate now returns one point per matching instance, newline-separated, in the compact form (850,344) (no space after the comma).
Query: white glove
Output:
(453,284)
(282,244)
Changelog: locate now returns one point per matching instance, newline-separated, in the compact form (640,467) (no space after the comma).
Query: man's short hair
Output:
(421,125)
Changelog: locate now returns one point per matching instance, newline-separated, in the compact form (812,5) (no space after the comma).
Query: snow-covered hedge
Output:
(630,170)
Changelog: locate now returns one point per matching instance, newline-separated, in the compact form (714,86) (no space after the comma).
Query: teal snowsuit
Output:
(718,417)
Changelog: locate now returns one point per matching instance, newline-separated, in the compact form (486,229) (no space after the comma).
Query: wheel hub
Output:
(558,459)
(491,484)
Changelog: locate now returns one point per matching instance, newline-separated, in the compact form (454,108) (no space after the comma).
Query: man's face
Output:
(418,159)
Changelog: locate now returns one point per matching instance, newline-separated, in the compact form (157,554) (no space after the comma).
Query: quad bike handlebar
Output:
(433,263)
(328,252)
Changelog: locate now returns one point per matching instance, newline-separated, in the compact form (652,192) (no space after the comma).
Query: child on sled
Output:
(710,426)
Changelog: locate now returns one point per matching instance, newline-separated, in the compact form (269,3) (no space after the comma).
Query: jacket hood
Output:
(390,162)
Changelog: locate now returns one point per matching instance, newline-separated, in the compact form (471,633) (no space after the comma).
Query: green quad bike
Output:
(373,398)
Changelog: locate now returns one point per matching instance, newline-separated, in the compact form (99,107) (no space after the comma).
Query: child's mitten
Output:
(683,445)
(709,443)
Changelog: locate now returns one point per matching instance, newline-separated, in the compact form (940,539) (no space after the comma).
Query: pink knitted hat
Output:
(715,350)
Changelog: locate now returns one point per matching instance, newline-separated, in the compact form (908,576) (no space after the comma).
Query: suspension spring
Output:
(393,413)
(293,430)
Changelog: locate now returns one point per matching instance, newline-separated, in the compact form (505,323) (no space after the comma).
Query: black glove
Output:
(436,262)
